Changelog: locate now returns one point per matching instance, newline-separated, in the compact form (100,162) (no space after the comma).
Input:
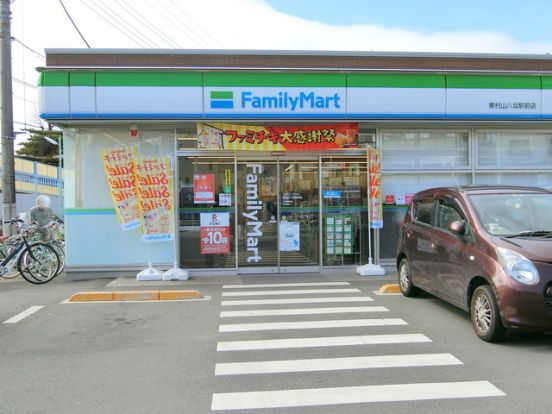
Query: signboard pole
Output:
(149,273)
(369,269)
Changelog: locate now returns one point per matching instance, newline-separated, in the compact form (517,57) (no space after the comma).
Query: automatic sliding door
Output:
(257,216)
(299,216)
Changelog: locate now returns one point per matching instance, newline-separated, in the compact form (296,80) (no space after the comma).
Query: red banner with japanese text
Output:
(119,166)
(375,200)
(155,189)
(217,136)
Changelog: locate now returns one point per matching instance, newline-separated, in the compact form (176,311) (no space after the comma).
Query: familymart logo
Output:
(222,100)
(279,100)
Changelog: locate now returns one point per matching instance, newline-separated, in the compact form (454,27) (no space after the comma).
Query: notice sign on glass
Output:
(204,188)
(214,233)
(339,234)
(289,236)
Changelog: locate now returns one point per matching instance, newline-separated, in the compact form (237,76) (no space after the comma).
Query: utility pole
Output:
(6,114)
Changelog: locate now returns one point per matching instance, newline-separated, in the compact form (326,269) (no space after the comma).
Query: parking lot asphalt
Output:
(303,343)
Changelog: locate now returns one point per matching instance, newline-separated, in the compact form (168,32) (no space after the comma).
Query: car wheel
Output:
(405,280)
(485,315)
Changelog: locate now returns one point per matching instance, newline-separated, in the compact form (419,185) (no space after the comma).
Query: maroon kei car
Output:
(485,249)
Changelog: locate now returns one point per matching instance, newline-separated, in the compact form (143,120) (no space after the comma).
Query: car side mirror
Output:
(457,227)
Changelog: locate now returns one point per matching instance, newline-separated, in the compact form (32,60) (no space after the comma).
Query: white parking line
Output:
(271,326)
(305,311)
(24,314)
(295,301)
(289,292)
(321,341)
(267,285)
(335,364)
(352,395)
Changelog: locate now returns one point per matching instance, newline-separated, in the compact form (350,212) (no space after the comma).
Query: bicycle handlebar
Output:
(15,220)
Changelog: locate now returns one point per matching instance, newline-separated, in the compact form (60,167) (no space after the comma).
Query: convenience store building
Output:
(275,146)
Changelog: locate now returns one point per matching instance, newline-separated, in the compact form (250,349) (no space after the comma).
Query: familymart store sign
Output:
(245,95)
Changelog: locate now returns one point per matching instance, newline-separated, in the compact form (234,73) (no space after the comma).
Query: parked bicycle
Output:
(53,235)
(37,262)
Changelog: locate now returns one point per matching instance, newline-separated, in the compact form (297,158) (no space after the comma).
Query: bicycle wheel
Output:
(14,272)
(61,254)
(39,263)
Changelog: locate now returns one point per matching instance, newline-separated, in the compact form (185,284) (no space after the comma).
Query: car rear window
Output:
(422,211)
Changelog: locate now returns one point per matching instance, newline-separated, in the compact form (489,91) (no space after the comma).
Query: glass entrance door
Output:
(299,215)
(257,187)
(278,215)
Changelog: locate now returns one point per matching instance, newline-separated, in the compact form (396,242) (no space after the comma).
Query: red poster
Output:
(214,233)
(204,188)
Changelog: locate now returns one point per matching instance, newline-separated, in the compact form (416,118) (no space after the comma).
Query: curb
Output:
(391,288)
(135,295)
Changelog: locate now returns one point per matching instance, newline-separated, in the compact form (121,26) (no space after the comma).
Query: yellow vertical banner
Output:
(155,188)
(374,185)
(119,167)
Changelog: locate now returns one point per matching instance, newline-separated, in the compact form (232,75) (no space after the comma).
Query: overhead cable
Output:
(74,24)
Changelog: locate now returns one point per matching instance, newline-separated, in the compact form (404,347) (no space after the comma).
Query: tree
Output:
(38,148)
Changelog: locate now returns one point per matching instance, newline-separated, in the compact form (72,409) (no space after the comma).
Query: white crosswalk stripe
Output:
(260,344)
(304,311)
(354,394)
(334,364)
(279,335)
(339,323)
(289,292)
(271,285)
(295,301)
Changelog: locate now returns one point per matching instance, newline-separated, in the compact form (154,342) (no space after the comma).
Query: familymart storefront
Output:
(274,172)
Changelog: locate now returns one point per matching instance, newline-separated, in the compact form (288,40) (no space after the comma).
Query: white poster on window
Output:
(289,236)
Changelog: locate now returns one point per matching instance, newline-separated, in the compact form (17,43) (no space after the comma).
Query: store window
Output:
(206,207)
(514,150)
(534,179)
(425,150)
(85,182)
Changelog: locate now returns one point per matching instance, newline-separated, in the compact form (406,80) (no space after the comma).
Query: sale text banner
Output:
(376,211)
(218,136)
(214,233)
(119,166)
(154,181)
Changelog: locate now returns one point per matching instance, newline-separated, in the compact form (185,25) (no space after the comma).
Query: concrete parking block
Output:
(140,295)
(91,297)
(179,294)
(390,288)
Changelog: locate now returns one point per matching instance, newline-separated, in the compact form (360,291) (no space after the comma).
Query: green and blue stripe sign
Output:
(231,95)
(221,99)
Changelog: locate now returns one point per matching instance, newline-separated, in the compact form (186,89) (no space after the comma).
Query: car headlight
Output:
(517,266)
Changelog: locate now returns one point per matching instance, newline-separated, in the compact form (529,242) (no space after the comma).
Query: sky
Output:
(488,26)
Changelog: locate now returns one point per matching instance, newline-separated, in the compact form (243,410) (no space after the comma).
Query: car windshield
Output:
(515,215)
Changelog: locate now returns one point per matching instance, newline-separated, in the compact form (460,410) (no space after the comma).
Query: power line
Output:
(26,124)
(143,20)
(22,82)
(199,26)
(76,28)
(183,29)
(21,98)
(101,16)
(128,26)
(15,39)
